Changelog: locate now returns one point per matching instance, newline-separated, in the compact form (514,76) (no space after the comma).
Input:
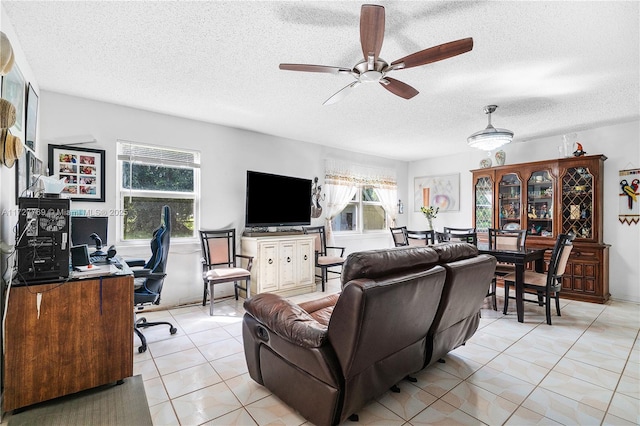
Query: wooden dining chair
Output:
(399,235)
(221,263)
(504,239)
(544,286)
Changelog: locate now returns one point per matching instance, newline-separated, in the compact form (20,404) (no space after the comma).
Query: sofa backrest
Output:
(379,324)
(374,264)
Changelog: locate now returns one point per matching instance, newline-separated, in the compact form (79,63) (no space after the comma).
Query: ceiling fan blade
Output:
(342,93)
(399,88)
(371,30)
(436,53)
(314,68)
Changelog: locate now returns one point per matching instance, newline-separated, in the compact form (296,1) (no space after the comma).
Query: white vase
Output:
(429,224)
(500,157)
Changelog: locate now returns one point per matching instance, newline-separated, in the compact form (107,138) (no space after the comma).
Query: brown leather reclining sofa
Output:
(400,310)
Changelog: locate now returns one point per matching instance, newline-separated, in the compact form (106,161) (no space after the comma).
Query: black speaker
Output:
(80,255)
(43,245)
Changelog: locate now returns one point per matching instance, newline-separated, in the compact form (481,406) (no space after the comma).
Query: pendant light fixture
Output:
(490,138)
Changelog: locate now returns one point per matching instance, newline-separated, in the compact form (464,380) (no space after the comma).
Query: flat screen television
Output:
(275,200)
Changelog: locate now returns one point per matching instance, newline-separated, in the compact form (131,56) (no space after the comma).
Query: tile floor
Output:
(585,369)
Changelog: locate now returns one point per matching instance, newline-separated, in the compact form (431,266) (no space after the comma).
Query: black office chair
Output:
(149,276)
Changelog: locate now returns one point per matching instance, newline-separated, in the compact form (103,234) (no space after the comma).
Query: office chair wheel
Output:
(173,330)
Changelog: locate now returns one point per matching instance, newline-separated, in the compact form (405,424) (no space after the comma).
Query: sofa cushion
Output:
(450,252)
(321,309)
(373,264)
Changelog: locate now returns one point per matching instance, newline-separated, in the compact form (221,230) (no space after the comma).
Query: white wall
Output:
(7,176)
(620,143)
(226,155)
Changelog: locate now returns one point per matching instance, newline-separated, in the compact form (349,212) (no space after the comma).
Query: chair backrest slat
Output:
(469,237)
(399,236)
(219,247)
(560,258)
(320,238)
(507,239)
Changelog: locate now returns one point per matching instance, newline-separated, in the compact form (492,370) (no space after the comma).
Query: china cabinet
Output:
(548,198)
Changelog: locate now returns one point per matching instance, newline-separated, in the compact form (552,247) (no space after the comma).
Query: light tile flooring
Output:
(584,369)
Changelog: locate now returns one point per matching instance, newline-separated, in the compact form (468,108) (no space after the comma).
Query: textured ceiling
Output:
(552,67)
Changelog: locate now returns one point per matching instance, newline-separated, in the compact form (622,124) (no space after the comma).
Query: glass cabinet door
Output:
(540,204)
(577,202)
(510,202)
(484,204)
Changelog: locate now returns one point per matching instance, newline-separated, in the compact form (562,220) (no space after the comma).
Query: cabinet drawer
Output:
(579,254)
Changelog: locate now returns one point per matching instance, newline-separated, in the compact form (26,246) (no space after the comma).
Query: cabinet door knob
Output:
(305,257)
(288,259)
(270,261)
(577,253)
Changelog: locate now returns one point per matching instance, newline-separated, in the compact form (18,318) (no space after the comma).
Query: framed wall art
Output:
(31,118)
(437,191)
(28,169)
(82,170)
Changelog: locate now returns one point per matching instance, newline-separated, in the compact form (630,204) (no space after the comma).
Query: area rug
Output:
(113,404)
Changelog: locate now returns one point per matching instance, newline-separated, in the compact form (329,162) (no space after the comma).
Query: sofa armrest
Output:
(287,320)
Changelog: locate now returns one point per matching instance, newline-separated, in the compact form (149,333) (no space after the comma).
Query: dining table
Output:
(519,258)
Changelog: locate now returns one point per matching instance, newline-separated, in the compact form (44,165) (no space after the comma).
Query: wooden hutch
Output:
(548,198)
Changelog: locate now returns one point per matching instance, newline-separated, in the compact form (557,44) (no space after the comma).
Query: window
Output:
(151,177)
(364,208)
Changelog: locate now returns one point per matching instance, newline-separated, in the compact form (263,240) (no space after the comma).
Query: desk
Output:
(78,338)
(519,258)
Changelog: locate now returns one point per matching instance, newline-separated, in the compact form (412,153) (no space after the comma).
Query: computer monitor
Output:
(90,230)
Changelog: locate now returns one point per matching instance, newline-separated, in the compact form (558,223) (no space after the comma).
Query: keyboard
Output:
(98,259)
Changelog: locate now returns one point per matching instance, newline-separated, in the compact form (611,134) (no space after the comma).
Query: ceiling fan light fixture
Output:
(490,138)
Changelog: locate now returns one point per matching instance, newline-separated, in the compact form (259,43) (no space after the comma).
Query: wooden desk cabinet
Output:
(78,338)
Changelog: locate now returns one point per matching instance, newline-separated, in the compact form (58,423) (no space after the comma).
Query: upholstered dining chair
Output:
(421,238)
(221,263)
(504,239)
(399,235)
(544,286)
(324,260)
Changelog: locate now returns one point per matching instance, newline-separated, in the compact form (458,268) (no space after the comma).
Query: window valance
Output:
(339,172)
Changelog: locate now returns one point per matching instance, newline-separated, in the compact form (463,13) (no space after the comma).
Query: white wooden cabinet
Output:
(281,264)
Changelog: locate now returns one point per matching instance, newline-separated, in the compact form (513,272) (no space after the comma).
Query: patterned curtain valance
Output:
(345,173)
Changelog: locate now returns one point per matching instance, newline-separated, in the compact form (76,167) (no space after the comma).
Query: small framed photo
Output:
(82,170)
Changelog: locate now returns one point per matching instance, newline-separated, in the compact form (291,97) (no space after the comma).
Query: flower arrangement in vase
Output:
(430,213)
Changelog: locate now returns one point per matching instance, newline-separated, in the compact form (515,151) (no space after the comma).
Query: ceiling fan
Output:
(374,69)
